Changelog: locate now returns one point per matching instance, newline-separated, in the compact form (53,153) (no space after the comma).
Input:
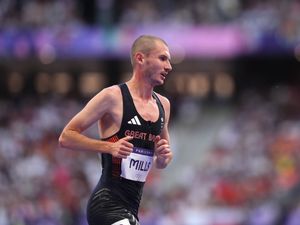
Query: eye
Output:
(163,58)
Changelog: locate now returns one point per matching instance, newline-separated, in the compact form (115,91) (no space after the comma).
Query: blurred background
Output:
(234,90)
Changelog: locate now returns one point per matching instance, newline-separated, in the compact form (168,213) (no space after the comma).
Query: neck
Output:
(140,88)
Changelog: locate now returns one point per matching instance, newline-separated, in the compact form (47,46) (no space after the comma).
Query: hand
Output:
(122,148)
(162,152)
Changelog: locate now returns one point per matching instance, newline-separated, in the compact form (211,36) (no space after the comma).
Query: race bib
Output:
(137,165)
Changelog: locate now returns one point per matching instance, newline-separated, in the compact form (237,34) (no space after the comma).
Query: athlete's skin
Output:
(149,70)
(150,59)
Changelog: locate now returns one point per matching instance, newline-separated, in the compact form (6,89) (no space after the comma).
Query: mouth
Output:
(164,75)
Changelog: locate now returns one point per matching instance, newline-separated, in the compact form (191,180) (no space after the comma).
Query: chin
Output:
(158,83)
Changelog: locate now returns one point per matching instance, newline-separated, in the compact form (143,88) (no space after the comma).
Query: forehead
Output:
(161,49)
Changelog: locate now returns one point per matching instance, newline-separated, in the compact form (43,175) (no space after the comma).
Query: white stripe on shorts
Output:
(122,222)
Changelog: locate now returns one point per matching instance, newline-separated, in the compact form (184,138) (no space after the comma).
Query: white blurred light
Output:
(198,85)
(223,85)
(91,82)
(177,84)
(62,83)
(15,83)
(177,54)
(47,54)
(43,83)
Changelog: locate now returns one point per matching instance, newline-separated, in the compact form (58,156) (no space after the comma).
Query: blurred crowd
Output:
(112,12)
(39,183)
(269,24)
(250,175)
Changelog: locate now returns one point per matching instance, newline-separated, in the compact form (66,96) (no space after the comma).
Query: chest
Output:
(148,110)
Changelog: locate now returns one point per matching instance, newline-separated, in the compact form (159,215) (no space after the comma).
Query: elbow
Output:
(62,142)
(66,139)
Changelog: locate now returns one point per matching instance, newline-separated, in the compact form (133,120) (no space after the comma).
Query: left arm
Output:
(163,153)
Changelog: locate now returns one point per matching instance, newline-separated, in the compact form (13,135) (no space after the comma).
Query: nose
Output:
(168,67)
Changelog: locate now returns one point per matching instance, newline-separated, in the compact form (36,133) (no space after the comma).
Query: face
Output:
(157,65)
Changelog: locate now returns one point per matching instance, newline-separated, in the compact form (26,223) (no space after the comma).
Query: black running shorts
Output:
(106,209)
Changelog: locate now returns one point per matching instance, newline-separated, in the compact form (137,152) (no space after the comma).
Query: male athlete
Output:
(133,126)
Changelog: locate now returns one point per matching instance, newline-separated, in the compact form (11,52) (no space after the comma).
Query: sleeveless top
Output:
(126,177)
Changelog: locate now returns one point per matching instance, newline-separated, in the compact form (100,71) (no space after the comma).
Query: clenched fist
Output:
(122,148)
(162,152)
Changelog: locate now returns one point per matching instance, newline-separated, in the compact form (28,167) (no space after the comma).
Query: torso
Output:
(110,123)
(148,110)
(125,177)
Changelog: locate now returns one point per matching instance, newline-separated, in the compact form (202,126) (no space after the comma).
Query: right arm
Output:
(72,137)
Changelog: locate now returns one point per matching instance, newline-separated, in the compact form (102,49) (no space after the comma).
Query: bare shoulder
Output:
(104,101)
(166,104)
(110,94)
(111,90)
(164,100)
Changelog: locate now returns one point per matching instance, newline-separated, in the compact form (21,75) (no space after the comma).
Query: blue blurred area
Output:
(107,27)
(67,42)
(234,89)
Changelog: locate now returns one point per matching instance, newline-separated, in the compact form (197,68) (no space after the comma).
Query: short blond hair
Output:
(144,44)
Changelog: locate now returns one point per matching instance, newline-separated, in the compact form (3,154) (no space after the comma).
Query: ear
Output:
(139,57)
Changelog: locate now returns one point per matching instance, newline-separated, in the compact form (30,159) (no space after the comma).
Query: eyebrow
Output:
(165,56)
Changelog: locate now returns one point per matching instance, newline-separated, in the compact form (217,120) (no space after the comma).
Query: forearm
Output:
(74,140)
(161,162)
